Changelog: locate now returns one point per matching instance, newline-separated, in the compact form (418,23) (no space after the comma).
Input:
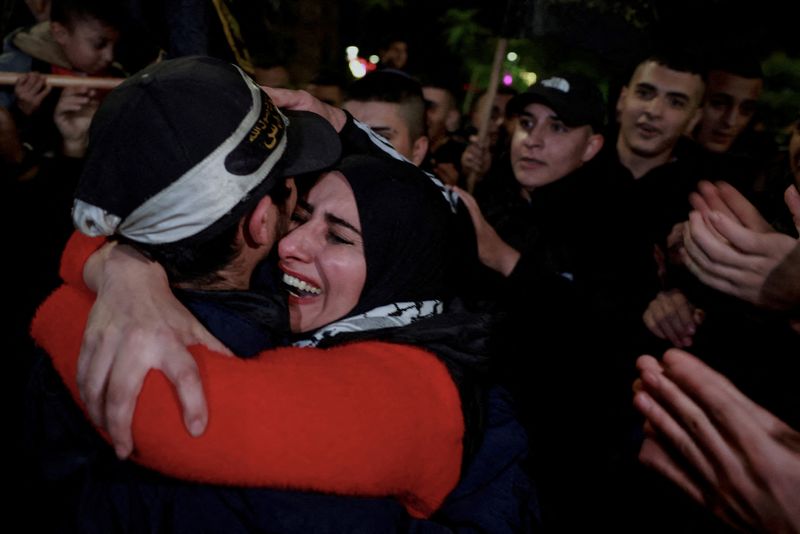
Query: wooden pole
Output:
(59,80)
(491,93)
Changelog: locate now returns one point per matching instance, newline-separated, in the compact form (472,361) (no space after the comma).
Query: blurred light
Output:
(352,52)
(507,79)
(528,77)
(374,59)
(512,56)
(357,68)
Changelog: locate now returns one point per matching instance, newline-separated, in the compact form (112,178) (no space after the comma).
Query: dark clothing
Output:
(573,305)
(246,322)
(658,200)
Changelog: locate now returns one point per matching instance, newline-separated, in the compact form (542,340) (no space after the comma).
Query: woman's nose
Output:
(299,244)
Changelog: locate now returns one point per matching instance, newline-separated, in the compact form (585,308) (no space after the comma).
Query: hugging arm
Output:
(135,325)
(361,419)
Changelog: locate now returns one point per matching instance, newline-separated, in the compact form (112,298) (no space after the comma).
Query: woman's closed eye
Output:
(337,239)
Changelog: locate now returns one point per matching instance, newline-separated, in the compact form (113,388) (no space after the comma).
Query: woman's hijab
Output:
(405,222)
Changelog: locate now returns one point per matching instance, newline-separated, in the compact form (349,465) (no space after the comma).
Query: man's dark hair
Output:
(329,76)
(199,263)
(393,87)
(390,39)
(444,83)
(739,63)
(678,59)
(67,12)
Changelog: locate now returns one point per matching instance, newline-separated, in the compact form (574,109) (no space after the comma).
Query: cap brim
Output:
(312,144)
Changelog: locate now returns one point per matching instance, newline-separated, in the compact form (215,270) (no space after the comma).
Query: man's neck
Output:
(234,277)
(220,285)
(637,164)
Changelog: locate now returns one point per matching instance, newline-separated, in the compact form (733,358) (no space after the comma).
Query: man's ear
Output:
(59,32)
(260,226)
(621,99)
(694,121)
(593,146)
(419,150)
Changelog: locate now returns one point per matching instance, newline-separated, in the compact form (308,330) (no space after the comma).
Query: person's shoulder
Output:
(37,43)
(13,59)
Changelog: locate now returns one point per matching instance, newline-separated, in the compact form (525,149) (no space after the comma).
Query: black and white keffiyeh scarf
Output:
(389,316)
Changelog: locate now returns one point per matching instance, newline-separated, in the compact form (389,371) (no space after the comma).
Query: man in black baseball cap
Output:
(558,129)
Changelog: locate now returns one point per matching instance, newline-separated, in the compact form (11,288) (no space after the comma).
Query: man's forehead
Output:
(437,95)
(387,113)
(725,82)
(539,111)
(668,80)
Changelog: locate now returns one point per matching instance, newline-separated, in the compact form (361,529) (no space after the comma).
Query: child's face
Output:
(88,44)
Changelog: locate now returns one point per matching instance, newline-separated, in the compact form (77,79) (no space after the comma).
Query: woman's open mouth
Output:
(300,288)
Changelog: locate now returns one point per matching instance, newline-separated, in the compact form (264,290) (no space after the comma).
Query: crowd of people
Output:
(350,337)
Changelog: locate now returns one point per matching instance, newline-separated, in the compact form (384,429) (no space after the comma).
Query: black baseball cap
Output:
(575,98)
(185,147)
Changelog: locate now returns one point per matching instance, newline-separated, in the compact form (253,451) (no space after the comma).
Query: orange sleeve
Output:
(367,418)
(75,255)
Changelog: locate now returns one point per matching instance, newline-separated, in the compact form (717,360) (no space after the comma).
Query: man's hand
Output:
(73,116)
(136,325)
(31,88)
(730,257)
(670,316)
(742,461)
(476,158)
(446,172)
(492,250)
(303,101)
(726,199)
(792,198)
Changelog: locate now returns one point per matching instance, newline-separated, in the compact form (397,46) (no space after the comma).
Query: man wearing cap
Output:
(566,268)
(558,129)
(201,184)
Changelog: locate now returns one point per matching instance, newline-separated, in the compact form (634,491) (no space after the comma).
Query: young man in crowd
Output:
(733,89)
(556,226)
(393,53)
(392,105)
(442,119)
(441,113)
(478,159)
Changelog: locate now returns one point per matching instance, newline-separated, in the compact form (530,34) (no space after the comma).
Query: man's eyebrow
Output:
(678,94)
(646,86)
(333,219)
(552,116)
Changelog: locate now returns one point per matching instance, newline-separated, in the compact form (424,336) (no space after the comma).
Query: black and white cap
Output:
(575,98)
(185,147)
